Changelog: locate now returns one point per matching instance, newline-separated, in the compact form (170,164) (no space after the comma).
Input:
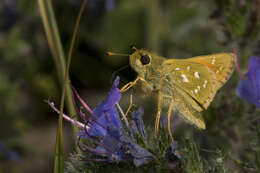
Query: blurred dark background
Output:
(171,28)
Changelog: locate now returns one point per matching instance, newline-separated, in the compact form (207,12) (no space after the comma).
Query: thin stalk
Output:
(122,114)
(240,74)
(66,81)
(56,48)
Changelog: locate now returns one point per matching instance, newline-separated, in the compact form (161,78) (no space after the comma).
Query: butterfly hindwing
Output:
(185,108)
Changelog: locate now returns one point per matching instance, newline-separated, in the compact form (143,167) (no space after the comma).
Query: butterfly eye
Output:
(145,59)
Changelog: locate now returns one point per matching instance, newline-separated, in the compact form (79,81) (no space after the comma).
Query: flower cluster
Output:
(113,144)
(249,85)
(105,138)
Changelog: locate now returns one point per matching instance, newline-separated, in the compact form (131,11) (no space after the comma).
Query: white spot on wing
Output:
(196,91)
(188,68)
(198,87)
(213,60)
(196,74)
(177,68)
(205,84)
(185,79)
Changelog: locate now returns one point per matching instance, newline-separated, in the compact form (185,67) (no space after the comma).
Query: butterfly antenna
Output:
(116,54)
(115,72)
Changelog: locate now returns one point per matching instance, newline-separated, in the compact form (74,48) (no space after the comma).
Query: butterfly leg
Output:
(169,118)
(158,115)
(130,104)
(128,85)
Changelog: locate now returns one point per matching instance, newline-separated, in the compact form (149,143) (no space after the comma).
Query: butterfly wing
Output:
(222,64)
(196,81)
(185,107)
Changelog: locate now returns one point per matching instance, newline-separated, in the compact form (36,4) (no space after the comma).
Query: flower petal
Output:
(171,153)
(105,113)
(114,95)
(141,156)
(137,117)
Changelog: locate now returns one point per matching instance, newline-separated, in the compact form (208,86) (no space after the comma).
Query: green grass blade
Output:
(51,30)
(56,48)
(52,33)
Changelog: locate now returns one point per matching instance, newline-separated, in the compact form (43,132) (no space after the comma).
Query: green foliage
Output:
(191,158)
(191,162)
(155,145)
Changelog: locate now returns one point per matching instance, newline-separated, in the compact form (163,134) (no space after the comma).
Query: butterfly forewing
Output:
(222,64)
(195,79)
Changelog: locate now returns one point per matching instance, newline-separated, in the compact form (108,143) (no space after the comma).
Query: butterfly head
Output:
(140,61)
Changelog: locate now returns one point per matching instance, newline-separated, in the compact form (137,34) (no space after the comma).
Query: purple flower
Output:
(140,155)
(137,123)
(9,13)
(110,4)
(8,153)
(105,113)
(249,86)
(102,4)
(121,148)
(110,141)
(171,153)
